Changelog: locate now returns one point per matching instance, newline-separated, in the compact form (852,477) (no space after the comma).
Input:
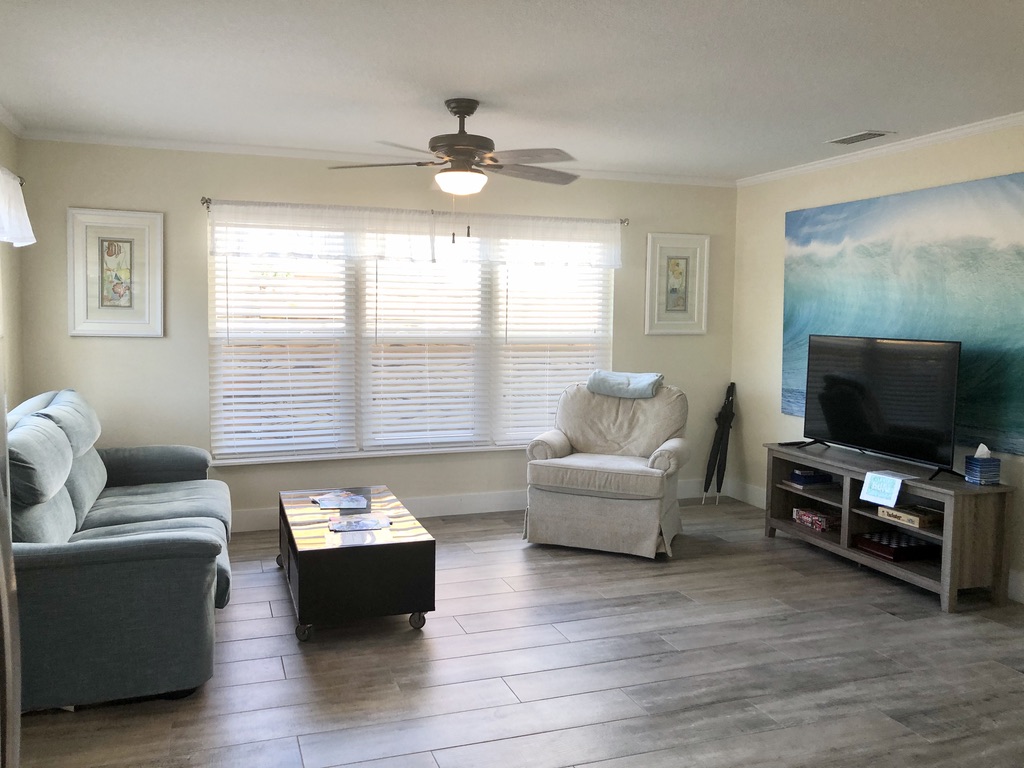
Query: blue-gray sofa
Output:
(120,556)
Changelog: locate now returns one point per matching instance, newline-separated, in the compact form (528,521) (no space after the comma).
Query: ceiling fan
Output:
(466,154)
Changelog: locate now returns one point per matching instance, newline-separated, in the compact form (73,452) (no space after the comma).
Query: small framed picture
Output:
(677,284)
(115,273)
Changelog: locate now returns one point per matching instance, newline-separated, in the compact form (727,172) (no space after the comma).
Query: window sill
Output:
(379,454)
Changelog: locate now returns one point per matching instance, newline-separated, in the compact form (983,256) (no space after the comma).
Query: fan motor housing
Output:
(461,145)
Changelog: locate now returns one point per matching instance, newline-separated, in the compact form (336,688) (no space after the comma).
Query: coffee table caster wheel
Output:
(304,632)
(280,562)
(417,620)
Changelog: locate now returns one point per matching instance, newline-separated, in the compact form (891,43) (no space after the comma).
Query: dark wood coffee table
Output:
(336,577)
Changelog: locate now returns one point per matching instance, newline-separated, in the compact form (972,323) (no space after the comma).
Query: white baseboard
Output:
(753,495)
(466,503)
(1015,588)
(421,506)
(472,503)
(494,501)
(253,520)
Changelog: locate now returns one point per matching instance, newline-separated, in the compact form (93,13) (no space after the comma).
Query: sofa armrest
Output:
(108,619)
(552,444)
(154,464)
(670,455)
(137,548)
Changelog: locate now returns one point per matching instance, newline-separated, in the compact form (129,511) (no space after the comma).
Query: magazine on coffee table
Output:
(357,523)
(340,500)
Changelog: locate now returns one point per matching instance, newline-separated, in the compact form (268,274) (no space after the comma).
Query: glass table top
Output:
(310,525)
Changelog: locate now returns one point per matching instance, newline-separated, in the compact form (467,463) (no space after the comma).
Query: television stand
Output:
(968,545)
(939,470)
(804,443)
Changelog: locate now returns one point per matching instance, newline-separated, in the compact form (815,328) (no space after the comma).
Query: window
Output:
(353,331)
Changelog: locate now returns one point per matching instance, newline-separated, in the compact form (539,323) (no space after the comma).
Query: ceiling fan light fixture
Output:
(461,182)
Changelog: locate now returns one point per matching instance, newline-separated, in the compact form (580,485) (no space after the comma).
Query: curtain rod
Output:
(21,181)
(206,201)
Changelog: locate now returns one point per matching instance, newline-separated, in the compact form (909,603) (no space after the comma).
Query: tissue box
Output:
(981,471)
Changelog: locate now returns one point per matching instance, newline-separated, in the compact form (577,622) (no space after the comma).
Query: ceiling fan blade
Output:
(382,165)
(529,156)
(403,146)
(532,173)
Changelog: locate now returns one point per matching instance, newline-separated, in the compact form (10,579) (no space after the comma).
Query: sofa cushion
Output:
(145,464)
(214,527)
(86,481)
(40,460)
(69,411)
(31,405)
(161,501)
(51,522)
(587,474)
(615,425)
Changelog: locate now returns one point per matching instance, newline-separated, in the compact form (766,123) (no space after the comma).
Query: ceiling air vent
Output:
(857,138)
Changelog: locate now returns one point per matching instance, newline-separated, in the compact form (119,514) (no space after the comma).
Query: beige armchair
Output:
(606,476)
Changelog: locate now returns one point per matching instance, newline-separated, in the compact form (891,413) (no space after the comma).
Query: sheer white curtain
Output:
(15,227)
(345,331)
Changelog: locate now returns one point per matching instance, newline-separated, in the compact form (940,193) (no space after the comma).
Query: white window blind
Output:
(426,354)
(352,331)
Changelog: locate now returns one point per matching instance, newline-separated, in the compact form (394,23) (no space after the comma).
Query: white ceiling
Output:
(672,90)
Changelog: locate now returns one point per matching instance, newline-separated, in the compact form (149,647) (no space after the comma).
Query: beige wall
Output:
(155,390)
(760,250)
(10,271)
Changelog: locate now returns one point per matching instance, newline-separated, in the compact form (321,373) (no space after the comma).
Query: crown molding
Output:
(896,147)
(892,148)
(134,142)
(656,178)
(11,122)
(312,154)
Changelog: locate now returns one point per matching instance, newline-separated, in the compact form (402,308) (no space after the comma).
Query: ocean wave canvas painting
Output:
(945,263)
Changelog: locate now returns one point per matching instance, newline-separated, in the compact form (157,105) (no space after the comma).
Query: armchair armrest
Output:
(552,444)
(154,464)
(670,455)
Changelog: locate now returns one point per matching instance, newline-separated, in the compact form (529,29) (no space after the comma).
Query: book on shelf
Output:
(804,477)
(808,486)
(913,515)
(817,520)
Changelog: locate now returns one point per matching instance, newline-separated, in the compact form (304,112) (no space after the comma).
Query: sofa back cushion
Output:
(52,522)
(69,411)
(617,425)
(87,479)
(40,462)
(30,406)
(79,422)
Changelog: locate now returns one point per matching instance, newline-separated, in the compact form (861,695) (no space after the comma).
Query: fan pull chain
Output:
(468,230)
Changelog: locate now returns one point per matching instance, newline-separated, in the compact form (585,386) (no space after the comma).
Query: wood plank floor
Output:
(741,651)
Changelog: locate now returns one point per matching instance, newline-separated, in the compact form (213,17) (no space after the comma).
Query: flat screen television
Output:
(895,397)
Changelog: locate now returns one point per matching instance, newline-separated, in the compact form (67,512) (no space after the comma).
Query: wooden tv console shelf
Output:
(969,545)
